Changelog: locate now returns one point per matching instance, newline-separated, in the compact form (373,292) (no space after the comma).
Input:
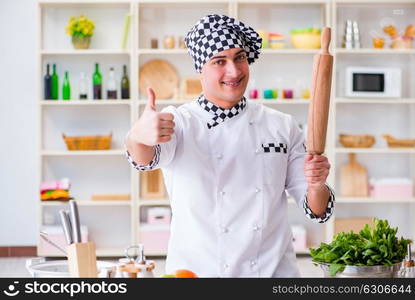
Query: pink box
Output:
(55,234)
(158,215)
(391,188)
(154,237)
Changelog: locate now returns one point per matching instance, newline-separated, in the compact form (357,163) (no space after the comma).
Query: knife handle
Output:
(66,226)
(76,227)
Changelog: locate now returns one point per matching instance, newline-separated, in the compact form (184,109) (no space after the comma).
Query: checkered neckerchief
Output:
(220,114)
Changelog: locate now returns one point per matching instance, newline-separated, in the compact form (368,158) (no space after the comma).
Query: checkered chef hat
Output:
(215,33)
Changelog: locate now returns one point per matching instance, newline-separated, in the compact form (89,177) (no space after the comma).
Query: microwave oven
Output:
(373,82)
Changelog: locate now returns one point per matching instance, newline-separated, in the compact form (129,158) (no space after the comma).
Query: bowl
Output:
(356,141)
(306,38)
(381,271)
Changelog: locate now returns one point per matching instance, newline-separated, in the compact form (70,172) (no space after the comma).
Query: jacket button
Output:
(253,262)
(225,266)
(257,190)
(251,122)
(225,230)
(256,228)
(257,151)
(222,193)
(219,156)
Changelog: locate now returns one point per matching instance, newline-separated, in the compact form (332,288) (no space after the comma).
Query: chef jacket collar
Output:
(220,114)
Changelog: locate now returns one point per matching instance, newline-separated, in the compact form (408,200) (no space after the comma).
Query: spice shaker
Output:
(408,267)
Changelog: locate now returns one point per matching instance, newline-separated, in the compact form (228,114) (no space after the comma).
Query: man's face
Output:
(225,76)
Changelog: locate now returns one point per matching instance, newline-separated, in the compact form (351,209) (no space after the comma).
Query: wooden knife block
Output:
(82,260)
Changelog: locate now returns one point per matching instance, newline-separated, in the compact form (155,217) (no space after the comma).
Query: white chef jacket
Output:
(228,196)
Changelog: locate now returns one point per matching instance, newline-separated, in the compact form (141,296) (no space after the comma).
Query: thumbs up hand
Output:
(152,127)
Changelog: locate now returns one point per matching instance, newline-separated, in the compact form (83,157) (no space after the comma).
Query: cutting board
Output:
(354,179)
(161,76)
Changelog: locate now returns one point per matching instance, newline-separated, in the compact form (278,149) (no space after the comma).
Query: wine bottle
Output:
(47,81)
(83,87)
(97,83)
(55,84)
(112,86)
(125,84)
(66,87)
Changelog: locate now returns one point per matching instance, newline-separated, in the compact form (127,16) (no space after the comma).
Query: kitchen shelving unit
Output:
(108,171)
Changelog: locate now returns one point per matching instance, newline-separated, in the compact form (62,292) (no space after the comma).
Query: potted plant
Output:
(81,29)
(373,252)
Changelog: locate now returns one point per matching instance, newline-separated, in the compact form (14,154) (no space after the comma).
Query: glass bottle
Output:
(47,81)
(55,84)
(97,82)
(66,87)
(112,86)
(125,84)
(83,87)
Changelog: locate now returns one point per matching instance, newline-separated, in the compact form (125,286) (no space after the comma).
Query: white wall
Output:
(18,119)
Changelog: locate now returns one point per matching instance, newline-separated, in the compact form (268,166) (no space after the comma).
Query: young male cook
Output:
(227,163)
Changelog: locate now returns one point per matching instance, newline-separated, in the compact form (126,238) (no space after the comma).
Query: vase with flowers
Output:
(81,30)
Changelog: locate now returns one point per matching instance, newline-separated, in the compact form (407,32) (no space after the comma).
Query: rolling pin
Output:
(318,110)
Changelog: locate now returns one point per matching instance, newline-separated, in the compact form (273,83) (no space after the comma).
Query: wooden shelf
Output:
(373,51)
(85,102)
(290,51)
(153,202)
(373,200)
(375,101)
(83,153)
(375,150)
(373,2)
(260,100)
(166,101)
(284,1)
(283,101)
(162,51)
(85,52)
(88,203)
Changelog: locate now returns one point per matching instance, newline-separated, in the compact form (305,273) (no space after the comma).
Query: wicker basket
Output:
(399,143)
(88,142)
(356,141)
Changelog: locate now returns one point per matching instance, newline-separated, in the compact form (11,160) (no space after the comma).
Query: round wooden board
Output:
(161,76)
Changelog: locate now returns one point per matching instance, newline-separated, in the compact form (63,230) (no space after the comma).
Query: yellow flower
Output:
(80,25)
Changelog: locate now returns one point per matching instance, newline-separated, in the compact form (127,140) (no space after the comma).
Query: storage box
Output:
(56,235)
(348,224)
(155,238)
(158,215)
(391,188)
(299,238)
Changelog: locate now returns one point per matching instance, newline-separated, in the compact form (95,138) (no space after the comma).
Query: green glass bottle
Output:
(55,84)
(66,87)
(125,84)
(97,82)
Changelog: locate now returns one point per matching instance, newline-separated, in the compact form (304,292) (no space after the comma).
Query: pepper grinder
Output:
(348,35)
(408,268)
(356,35)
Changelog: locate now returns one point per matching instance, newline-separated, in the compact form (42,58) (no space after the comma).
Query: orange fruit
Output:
(184,274)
